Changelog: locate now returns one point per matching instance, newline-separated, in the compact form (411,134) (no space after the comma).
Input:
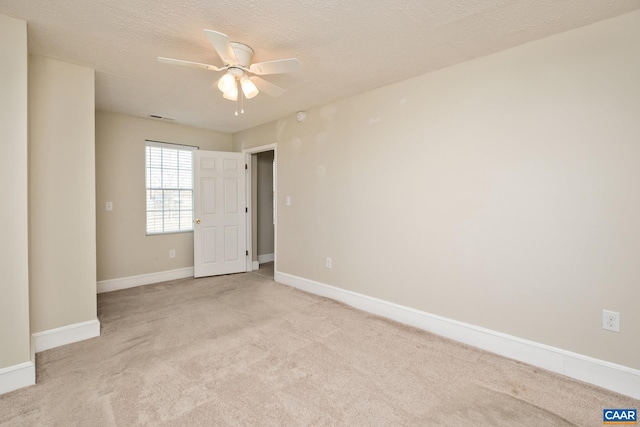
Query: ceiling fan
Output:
(237,64)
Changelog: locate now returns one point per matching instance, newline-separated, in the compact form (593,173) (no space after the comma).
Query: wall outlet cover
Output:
(611,320)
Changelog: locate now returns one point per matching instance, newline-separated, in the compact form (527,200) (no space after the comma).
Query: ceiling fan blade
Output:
(188,63)
(266,87)
(221,44)
(278,66)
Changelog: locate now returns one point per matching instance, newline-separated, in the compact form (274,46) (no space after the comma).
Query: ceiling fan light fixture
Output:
(231,94)
(248,87)
(227,83)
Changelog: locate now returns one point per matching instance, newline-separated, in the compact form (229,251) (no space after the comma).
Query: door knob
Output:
(197,221)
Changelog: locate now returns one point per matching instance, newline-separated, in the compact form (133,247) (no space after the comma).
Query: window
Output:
(169,177)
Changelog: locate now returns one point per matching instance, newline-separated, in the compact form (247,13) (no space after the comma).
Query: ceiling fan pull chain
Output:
(241,102)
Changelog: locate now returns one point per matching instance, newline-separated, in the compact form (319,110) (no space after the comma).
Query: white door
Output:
(219,232)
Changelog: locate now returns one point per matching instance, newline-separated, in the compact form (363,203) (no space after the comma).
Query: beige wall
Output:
(501,192)
(14,257)
(124,250)
(265,202)
(62,194)
(261,135)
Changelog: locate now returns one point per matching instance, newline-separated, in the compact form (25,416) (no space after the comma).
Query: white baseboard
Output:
(143,279)
(255,265)
(611,376)
(57,337)
(17,376)
(266,258)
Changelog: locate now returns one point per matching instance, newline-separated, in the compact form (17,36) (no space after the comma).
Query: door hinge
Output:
(247,253)
(246,166)
(246,210)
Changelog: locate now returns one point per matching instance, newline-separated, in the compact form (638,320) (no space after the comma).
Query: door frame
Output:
(248,152)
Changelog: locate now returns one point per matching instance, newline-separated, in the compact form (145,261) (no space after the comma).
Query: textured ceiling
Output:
(346,47)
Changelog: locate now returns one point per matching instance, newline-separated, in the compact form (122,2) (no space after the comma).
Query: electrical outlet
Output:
(611,320)
(172,253)
(109,206)
(329,263)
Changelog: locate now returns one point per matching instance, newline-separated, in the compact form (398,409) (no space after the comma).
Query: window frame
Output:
(171,146)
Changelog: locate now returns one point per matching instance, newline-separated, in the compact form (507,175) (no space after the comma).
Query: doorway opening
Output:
(262,205)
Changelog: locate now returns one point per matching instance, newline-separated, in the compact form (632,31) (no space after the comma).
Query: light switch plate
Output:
(109,206)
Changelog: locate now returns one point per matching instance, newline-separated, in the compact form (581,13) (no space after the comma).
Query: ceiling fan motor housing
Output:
(235,72)
(243,53)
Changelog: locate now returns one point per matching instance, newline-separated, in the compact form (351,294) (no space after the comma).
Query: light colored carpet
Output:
(244,350)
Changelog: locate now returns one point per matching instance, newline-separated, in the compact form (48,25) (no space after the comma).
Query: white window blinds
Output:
(169,181)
